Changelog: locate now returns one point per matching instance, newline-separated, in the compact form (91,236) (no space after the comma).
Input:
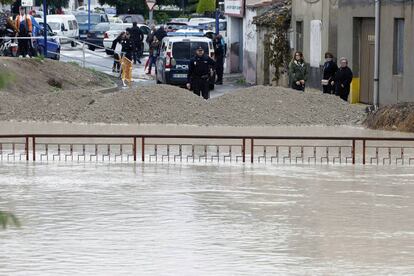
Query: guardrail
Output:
(84,44)
(208,148)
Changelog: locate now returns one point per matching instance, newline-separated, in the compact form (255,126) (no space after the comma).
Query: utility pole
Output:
(45,28)
(89,15)
(377,52)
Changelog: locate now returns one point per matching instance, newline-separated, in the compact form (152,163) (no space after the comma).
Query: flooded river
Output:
(165,219)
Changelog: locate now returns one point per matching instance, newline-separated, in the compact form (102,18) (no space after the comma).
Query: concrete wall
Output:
(393,88)
(325,11)
(249,46)
(235,45)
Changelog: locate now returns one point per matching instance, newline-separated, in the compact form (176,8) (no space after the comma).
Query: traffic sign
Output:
(150,4)
(27,3)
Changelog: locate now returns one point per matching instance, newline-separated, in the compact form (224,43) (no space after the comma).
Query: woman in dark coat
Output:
(298,72)
(329,71)
(342,80)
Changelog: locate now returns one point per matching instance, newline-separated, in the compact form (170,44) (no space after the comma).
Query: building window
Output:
(299,36)
(398,46)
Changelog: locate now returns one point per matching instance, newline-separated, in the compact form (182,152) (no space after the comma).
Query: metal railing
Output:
(84,47)
(208,148)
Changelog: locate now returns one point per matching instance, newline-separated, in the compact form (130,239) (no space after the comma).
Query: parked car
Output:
(130,18)
(95,36)
(116,29)
(175,54)
(53,45)
(199,20)
(82,18)
(174,26)
(65,26)
(179,20)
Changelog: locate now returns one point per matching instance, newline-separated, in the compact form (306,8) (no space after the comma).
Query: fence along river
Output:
(208,148)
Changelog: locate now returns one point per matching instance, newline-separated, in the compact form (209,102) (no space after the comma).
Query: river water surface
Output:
(164,219)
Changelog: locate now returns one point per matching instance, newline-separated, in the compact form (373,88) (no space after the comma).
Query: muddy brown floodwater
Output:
(166,219)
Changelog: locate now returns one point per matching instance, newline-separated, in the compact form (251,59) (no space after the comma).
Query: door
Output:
(367,46)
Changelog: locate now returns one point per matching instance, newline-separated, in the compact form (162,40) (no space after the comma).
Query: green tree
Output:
(206,6)
(127,6)
(6,2)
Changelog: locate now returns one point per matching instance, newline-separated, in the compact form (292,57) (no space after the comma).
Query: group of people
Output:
(24,26)
(127,49)
(336,80)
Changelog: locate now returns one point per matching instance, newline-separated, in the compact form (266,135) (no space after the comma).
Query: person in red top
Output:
(25,28)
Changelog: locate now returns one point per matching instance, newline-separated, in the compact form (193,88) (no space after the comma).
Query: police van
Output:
(175,53)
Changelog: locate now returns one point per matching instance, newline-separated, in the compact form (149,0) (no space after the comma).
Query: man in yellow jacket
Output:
(24,27)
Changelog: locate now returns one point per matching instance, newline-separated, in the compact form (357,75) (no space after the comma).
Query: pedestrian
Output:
(298,72)
(36,31)
(151,35)
(153,54)
(343,80)
(160,34)
(127,53)
(199,73)
(117,51)
(137,37)
(219,57)
(329,70)
(24,25)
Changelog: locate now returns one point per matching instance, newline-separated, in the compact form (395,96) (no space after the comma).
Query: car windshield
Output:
(48,24)
(110,11)
(54,25)
(185,50)
(83,19)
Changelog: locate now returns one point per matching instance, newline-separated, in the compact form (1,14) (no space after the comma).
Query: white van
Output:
(64,25)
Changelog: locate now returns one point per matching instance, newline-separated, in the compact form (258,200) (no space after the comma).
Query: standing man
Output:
(219,56)
(137,37)
(24,25)
(199,73)
(160,34)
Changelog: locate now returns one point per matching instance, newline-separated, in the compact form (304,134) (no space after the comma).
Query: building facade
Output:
(314,32)
(356,40)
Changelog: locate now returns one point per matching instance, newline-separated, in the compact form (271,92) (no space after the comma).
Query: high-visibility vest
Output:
(29,26)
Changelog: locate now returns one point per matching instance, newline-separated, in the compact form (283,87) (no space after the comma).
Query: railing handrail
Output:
(206,136)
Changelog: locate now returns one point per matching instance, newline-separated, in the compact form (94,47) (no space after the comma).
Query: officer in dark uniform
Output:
(199,73)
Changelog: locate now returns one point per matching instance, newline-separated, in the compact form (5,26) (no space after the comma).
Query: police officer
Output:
(199,73)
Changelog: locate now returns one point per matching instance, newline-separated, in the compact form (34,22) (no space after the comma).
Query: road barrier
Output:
(208,149)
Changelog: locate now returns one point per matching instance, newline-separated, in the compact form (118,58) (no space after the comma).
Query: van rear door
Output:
(182,52)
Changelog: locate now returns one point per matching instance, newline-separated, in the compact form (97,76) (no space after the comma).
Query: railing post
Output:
(363,151)
(135,149)
(143,149)
(84,56)
(27,148)
(252,150)
(34,147)
(353,152)
(244,150)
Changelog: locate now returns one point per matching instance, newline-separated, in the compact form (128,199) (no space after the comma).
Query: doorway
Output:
(367,60)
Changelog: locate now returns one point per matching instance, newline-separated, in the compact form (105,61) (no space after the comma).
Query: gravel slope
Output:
(163,104)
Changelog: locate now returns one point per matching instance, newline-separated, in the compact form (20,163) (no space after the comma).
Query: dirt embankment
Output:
(23,77)
(51,91)
(398,117)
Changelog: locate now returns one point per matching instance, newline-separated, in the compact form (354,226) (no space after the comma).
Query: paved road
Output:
(100,61)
